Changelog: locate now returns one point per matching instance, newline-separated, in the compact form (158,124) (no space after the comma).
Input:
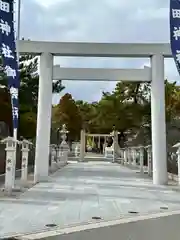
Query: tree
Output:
(67,112)
(29,76)
(5,102)
(172,99)
(28,93)
(128,108)
(88,112)
(27,126)
(5,108)
(143,99)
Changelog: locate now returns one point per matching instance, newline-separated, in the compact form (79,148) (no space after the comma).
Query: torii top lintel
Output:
(85,49)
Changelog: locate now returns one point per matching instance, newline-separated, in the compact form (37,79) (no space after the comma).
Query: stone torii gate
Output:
(83,141)
(47,50)
(100,74)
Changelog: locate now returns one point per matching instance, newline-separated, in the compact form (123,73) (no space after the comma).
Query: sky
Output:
(119,21)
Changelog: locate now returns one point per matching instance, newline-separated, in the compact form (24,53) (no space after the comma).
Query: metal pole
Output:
(19,20)
(18,31)
(17,49)
(17,39)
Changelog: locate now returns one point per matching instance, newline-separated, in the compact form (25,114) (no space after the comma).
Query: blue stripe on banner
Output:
(175,31)
(9,57)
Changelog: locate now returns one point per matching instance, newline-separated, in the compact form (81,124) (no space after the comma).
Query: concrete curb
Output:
(91,225)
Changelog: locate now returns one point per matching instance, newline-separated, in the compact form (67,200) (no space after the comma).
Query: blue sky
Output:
(97,21)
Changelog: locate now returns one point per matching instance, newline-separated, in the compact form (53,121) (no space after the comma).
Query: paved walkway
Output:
(80,192)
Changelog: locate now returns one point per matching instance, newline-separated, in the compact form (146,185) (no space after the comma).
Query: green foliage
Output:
(128,108)
(67,112)
(57,86)
(27,125)
(28,95)
(5,108)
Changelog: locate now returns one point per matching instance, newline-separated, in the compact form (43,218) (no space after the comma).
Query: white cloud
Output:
(48,3)
(151,13)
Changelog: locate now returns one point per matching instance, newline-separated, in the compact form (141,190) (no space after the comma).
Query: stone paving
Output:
(81,191)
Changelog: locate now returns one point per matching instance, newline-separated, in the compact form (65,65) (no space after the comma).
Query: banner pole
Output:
(17,45)
(19,20)
(18,27)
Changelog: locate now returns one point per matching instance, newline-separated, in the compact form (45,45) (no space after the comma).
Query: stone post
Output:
(62,157)
(149,158)
(178,153)
(114,135)
(121,156)
(104,145)
(129,156)
(59,153)
(24,160)
(99,142)
(125,156)
(77,150)
(109,153)
(10,163)
(82,146)
(177,145)
(141,156)
(53,153)
(54,164)
(134,156)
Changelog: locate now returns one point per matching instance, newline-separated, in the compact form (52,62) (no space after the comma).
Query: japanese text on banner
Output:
(8,51)
(175,31)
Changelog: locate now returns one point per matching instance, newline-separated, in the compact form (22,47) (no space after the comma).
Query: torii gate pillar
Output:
(43,118)
(158,122)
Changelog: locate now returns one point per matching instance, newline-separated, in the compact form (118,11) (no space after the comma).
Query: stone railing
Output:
(141,158)
(18,157)
(18,168)
(18,161)
(58,157)
(75,149)
(31,158)
(138,157)
(18,173)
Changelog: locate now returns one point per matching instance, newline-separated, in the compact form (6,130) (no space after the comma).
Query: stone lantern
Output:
(64,147)
(114,135)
